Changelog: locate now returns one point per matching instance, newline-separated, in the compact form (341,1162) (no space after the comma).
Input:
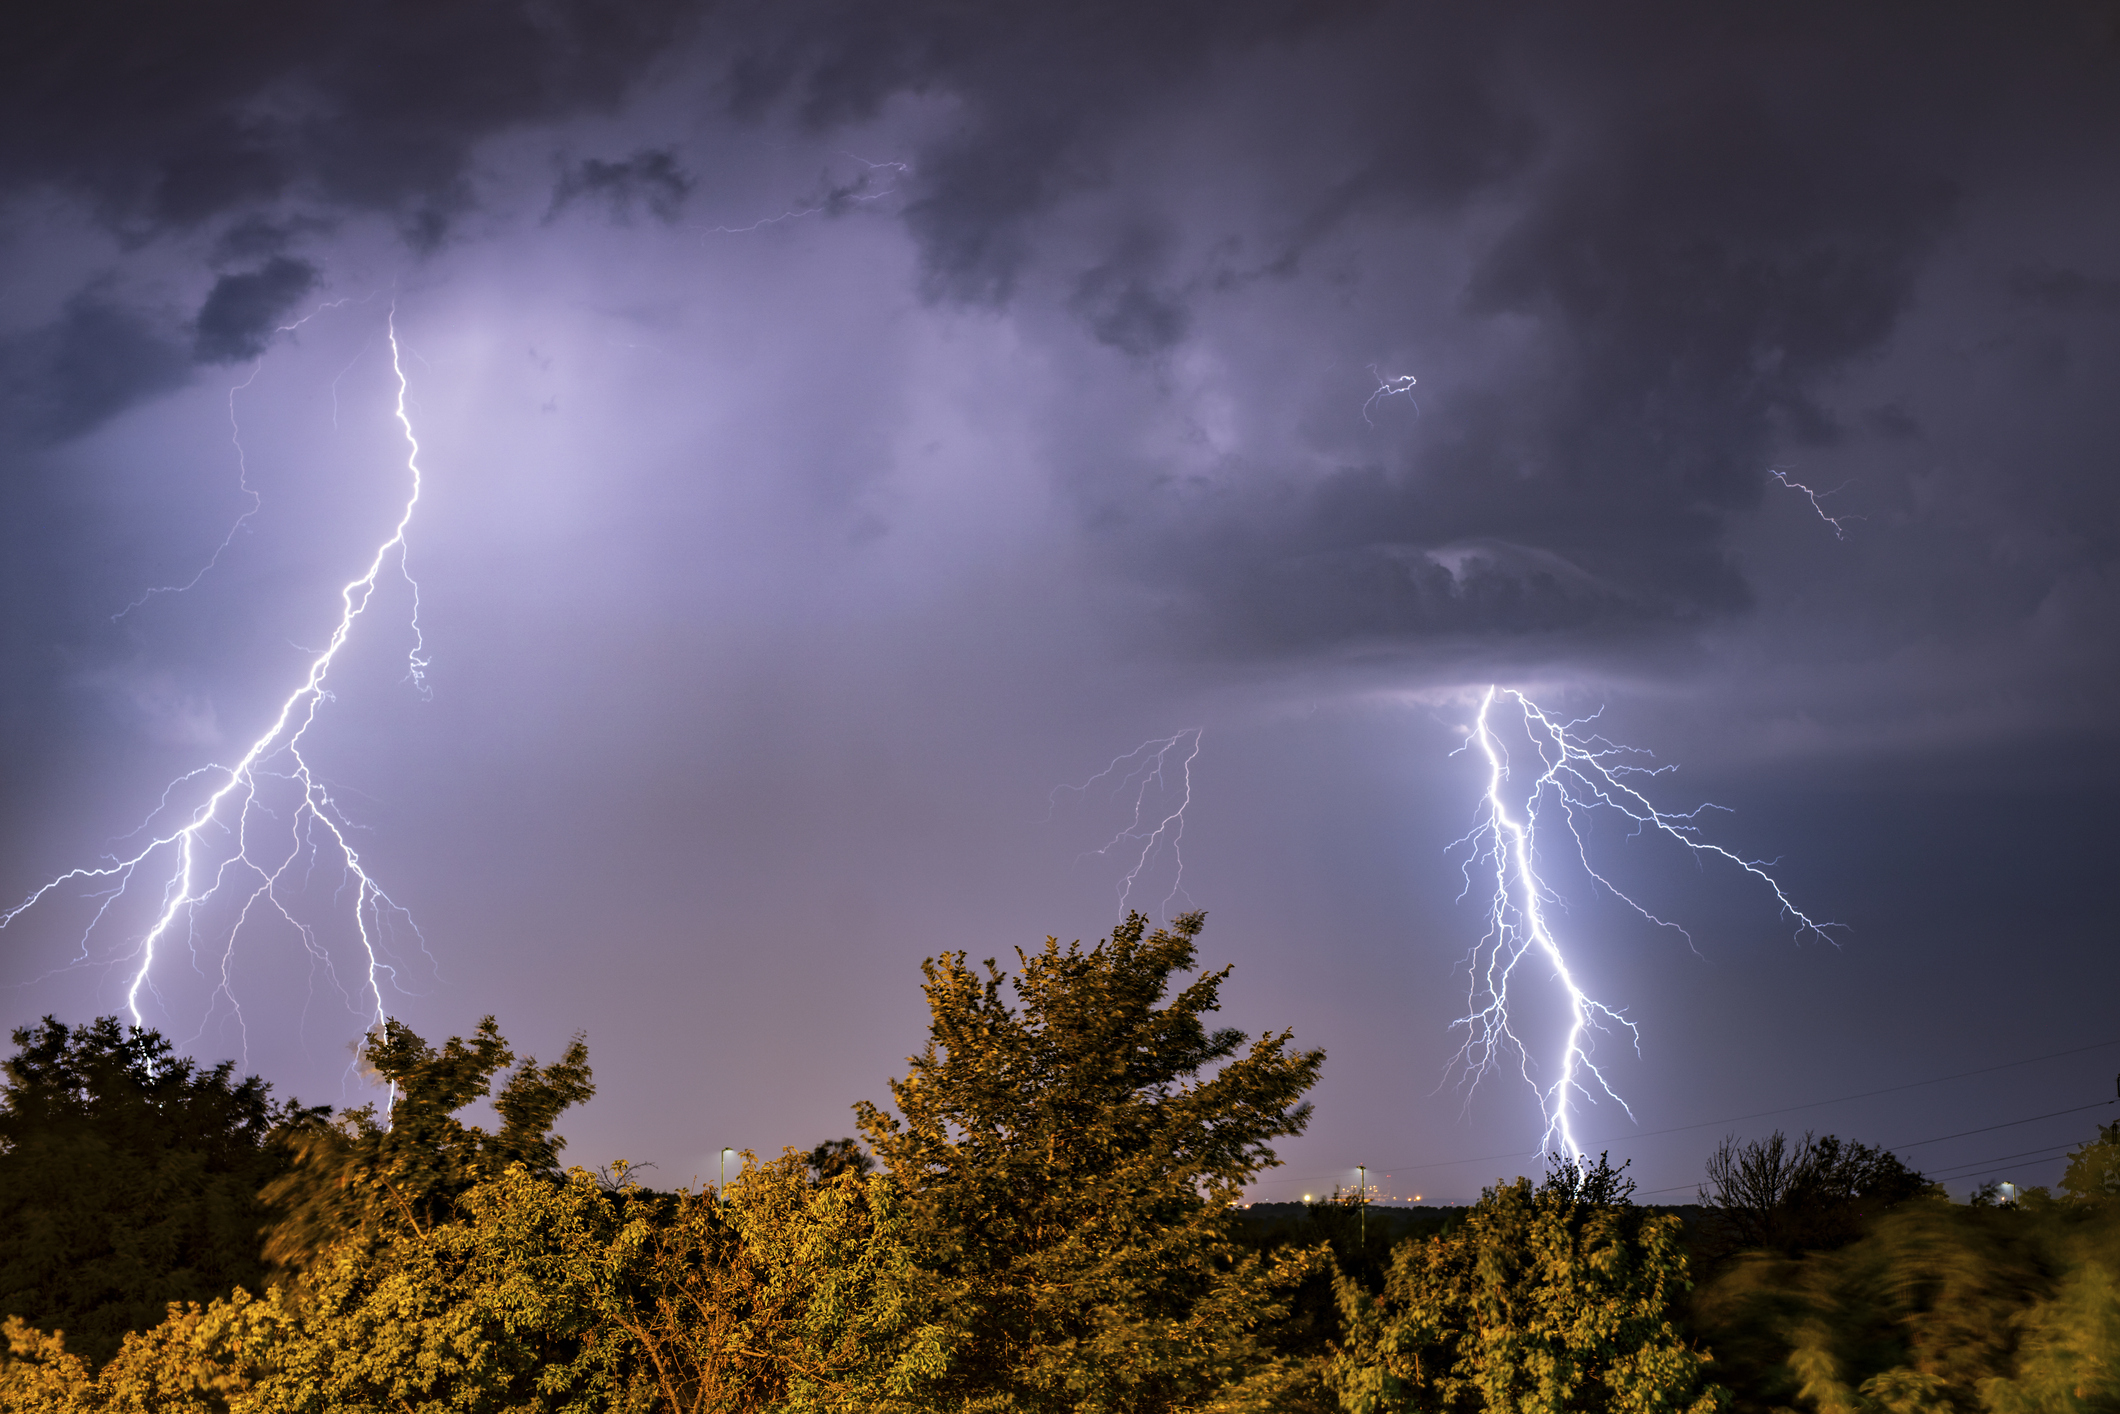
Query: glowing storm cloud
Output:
(236,839)
(1579,772)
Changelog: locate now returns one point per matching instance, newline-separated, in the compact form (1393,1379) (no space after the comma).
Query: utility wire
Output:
(1786,1109)
(2051,1151)
(2009,1124)
(1953,1170)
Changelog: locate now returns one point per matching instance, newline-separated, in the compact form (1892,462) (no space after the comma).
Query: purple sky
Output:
(844,425)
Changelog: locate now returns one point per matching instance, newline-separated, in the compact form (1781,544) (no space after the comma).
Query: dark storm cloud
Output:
(1710,219)
(1042,88)
(1697,271)
(1124,303)
(241,312)
(2065,290)
(650,178)
(169,115)
(168,118)
(96,359)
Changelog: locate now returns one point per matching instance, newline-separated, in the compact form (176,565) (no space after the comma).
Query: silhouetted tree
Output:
(129,1178)
(1578,1181)
(359,1173)
(1808,1195)
(837,1156)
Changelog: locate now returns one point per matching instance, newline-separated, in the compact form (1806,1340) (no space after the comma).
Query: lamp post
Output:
(725,1170)
(1362,1191)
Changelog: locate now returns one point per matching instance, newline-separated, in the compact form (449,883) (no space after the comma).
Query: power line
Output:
(1763,1114)
(2051,1151)
(1953,1170)
(2009,1124)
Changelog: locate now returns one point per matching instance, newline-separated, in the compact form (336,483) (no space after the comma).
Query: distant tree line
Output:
(1044,1220)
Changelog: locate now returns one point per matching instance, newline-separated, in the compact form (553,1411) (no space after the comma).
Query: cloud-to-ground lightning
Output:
(269,818)
(1399,387)
(1578,772)
(1840,531)
(1154,772)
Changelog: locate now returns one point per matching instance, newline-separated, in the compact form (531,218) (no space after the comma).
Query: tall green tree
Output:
(1069,1164)
(363,1174)
(129,1178)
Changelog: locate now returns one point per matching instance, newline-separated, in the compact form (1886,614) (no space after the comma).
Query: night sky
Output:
(846,424)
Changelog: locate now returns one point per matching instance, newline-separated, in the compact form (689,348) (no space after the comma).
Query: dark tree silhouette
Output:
(361,1174)
(1806,1195)
(129,1178)
(837,1156)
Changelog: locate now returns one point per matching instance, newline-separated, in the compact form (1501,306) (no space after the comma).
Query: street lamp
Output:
(725,1168)
(1362,1191)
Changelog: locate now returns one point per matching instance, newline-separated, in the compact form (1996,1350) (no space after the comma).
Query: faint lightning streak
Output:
(1840,531)
(1147,765)
(257,502)
(1578,773)
(1399,387)
(228,810)
(235,438)
(835,199)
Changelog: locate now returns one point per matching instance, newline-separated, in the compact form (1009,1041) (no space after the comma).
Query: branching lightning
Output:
(1840,531)
(243,840)
(1579,772)
(1400,387)
(1148,771)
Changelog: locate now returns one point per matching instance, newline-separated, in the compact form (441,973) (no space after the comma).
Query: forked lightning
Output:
(243,839)
(1579,772)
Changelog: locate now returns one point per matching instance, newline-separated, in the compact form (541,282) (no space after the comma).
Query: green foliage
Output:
(128,1179)
(1939,1307)
(543,1296)
(2093,1170)
(1537,1303)
(359,1175)
(1070,1169)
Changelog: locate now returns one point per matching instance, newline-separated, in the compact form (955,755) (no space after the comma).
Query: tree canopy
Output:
(129,1178)
(362,1174)
(1070,1162)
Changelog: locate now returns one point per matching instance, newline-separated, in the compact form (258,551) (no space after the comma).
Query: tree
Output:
(1540,1302)
(2093,1172)
(129,1178)
(1577,1181)
(837,1156)
(538,1297)
(1939,1306)
(359,1174)
(1069,1170)
(1811,1195)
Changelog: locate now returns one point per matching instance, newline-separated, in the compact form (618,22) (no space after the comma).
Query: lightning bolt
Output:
(235,438)
(1579,772)
(1148,769)
(234,840)
(1399,387)
(1840,531)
